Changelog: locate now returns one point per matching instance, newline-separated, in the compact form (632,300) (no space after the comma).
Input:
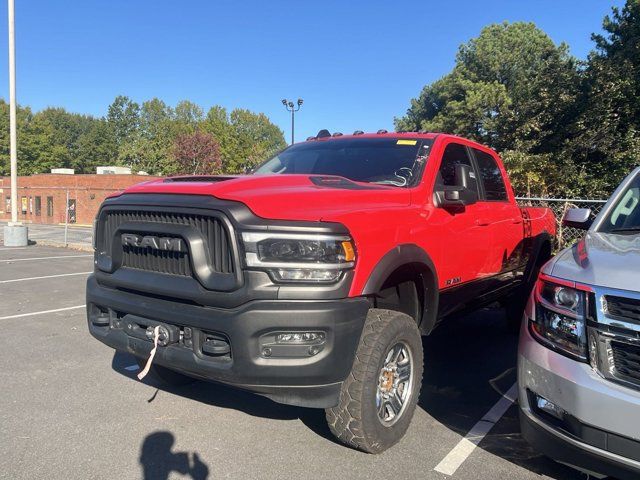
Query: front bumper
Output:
(293,377)
(601,429)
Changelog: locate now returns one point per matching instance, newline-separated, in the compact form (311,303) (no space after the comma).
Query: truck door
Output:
(465,240)
(505,222)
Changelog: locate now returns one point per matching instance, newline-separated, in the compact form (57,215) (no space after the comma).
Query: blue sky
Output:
(355,63)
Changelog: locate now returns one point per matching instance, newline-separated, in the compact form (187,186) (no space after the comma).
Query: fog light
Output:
(550,408)
(300,337)
(307,275)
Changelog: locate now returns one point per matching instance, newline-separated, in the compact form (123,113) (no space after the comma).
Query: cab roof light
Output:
(337,134)
(381,131)
(324,133)
(358,132)
(309,139)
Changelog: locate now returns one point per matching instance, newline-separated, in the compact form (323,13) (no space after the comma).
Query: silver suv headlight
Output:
(310,258)
(560,320)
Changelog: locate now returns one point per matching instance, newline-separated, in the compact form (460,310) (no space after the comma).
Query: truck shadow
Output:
(221,396)
(470,362)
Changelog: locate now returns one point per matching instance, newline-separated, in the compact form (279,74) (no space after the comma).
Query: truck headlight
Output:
(560,322)
(289,257)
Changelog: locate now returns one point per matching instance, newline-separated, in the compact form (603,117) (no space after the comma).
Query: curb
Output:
(83,247)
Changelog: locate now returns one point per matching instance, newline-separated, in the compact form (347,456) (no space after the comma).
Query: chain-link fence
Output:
(566,235)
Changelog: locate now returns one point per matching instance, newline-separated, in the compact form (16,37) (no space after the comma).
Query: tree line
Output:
(152,137)
(564,127)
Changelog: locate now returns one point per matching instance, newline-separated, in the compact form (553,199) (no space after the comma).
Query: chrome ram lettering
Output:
(168,244)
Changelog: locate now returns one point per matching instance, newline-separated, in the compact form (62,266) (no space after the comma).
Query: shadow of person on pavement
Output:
(158,461)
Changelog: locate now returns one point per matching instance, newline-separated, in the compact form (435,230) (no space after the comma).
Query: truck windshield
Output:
(386,161)
(624,217)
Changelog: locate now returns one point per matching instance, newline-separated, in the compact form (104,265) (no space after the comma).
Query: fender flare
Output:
(536,247)
(402,255)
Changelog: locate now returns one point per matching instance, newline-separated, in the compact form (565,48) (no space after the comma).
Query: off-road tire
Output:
(165,375)
(355,420)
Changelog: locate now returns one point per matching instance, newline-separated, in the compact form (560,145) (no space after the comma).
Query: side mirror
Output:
(577,218)
(460,194)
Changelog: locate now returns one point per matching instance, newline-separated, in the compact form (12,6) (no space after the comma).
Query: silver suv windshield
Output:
(624,216)
(386,161)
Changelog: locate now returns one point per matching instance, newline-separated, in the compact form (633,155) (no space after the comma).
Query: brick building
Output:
(42,198)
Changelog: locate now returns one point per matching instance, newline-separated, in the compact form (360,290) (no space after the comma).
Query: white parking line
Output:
(13,248)
(47,276)
(42,313)
(45,258)
(465,447)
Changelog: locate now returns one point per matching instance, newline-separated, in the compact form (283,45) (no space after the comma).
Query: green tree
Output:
(24,117)
(218,124)
(123,118)
(149,147)
(513,89)
(257,138)
(607,140)
(95,147)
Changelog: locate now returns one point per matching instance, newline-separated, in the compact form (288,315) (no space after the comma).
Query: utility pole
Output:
(15,234)
(293,108)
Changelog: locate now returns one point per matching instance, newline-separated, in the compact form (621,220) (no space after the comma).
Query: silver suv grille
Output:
(626,361)
(622,308)
(615,338)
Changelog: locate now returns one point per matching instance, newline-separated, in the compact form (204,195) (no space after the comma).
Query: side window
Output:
(494,188)
(49,206)
(454,154)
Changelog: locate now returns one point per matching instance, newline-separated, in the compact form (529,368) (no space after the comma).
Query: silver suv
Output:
(579,353)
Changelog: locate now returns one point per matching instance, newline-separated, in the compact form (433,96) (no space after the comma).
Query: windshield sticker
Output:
(406,142)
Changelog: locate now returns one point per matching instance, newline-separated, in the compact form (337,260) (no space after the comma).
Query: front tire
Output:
(379,397)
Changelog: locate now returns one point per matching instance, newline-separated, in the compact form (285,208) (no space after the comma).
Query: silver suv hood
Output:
(604,259)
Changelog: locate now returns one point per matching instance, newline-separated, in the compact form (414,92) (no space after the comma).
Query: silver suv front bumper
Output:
(602,431)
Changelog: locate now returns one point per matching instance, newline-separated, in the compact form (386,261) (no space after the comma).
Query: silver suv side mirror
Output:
(577,218)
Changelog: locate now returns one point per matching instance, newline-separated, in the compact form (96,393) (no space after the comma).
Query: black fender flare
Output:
(536,247)
(402,255)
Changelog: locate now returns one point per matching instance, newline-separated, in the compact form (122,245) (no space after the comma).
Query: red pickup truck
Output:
(311,280)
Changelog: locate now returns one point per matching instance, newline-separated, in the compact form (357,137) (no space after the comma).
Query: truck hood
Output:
(601,259)
(285,197)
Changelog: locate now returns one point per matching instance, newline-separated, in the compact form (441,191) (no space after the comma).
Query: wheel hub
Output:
(387,380)
(395,383)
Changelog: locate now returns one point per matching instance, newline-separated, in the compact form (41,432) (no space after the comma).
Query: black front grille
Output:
(623,308)
(626,359)
(144,258)
(176,263)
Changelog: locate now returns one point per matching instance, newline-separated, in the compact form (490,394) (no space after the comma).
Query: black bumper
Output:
(562,451)
(291,375)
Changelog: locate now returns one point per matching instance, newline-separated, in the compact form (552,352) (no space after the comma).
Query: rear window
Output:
(494,187)
(385,161)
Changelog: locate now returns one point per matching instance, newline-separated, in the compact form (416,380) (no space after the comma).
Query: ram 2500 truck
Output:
(311,280)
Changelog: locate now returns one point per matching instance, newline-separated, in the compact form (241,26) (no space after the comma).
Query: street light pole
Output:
(15,234)
(293,108)
(12,114)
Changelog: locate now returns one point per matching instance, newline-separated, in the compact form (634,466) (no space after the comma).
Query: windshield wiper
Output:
(625,229)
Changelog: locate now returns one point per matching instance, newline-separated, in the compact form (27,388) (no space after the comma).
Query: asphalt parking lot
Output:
(71,407)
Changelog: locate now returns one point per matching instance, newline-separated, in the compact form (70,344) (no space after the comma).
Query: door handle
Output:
(516,220)
(481,222)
